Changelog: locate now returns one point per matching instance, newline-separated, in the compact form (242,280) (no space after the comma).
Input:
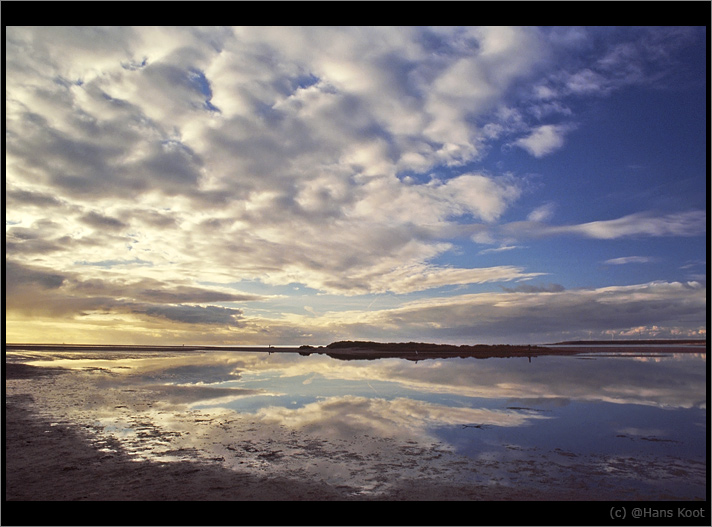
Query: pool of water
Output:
(588,427)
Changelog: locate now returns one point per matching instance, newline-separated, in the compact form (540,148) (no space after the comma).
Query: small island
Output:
(415,351)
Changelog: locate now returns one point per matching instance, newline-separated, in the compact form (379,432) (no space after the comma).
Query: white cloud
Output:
(521,314)
(499,249)
(330,157)
(483,197)
(689,223)
(628,259)
(586,82)
(542,213)
(545,313)
(543,140)
(223,144)
(418,278)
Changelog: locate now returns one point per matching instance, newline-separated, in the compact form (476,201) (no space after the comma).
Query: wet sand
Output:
(51,456)
(49,461)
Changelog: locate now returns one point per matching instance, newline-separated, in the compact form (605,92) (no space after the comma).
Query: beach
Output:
(135,426)
(48,461)
(63,463)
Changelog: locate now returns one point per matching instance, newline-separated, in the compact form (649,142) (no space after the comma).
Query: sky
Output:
(296,185)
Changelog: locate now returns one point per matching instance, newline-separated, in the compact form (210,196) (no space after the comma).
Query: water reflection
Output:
(477,420)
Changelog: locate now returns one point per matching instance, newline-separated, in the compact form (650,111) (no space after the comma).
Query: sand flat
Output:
(94,434)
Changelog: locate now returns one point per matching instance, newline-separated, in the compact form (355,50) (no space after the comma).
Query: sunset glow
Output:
(295,185)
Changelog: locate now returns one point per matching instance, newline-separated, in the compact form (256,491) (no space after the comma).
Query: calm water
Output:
(630,426)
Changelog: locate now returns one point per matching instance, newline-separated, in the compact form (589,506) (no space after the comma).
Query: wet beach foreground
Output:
(215,425)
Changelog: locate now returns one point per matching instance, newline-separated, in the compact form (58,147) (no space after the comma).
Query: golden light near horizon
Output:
(302,185)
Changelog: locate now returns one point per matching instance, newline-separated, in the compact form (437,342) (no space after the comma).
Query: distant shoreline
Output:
(351,344)
(138,347)
(415,351)
(632,342)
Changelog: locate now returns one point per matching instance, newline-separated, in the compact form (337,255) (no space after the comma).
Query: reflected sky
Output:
(657,402)
(566,409)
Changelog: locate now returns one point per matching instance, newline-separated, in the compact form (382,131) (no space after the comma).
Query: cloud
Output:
(33,290)
(542,314)
(99,221)
(586,81)
(190,314)
(530,314)
(499,249)
(343,159)
(690,223)
(17,274)
(543,140)
(617,58)
(172,143)
(628,259)
(528,288)
(25,197)
(542,213)
(419,278)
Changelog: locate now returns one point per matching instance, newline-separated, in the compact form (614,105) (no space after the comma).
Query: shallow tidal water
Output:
(588,427)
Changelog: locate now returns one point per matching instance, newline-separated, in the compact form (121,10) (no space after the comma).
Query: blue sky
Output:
(294,185)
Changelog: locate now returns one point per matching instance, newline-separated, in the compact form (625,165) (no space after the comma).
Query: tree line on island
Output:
(425,346)
(359,349)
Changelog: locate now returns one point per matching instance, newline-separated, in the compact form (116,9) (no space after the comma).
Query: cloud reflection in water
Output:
(348,421)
